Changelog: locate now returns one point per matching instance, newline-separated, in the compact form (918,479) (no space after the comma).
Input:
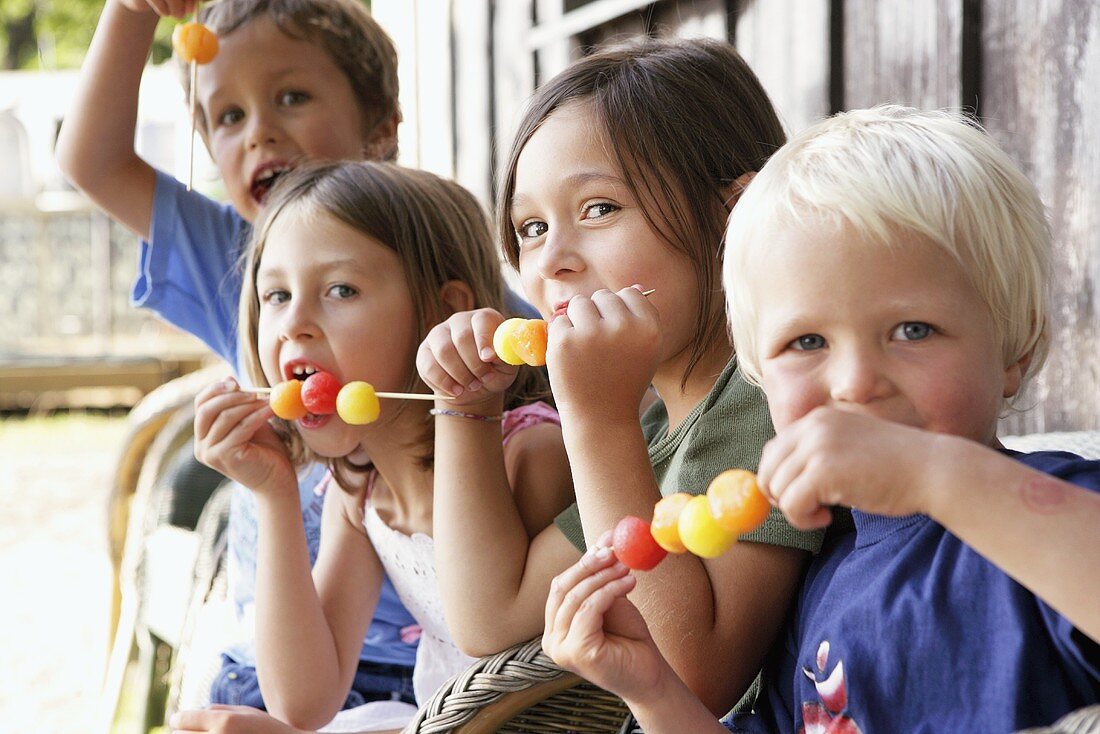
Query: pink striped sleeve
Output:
(526,416)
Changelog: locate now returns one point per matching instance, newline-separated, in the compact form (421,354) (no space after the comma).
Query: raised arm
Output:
(95,147)
(493,507)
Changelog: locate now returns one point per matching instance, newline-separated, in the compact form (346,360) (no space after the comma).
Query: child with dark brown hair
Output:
(620,179)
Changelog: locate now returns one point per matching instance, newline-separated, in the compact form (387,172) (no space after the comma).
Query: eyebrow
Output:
(575,181)
(277,75)
(347,262)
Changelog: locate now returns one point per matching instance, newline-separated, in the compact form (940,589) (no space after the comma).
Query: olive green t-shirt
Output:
(726,430)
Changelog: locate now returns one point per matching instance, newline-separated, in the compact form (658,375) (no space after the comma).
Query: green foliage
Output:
(54,34)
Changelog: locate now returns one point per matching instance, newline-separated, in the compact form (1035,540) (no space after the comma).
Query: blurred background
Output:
(79,469)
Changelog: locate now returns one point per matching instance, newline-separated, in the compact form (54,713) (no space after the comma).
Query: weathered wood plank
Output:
(513,67)
(786,42)
(693,19)
(1041,100)
(472,97)
(904,52)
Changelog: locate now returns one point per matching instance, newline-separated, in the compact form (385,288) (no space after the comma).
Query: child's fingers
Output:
(431,367)
(245,429)
(591,562)
(215,398)
(467,353)
(579,594)
(638,304)
(228,412)
(582,312)
(611,306)
(588,623)
(484,324)
(801,505)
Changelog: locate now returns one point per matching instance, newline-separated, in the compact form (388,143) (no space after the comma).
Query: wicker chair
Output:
(520,691)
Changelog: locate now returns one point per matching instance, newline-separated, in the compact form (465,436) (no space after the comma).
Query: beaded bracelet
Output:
(460,414)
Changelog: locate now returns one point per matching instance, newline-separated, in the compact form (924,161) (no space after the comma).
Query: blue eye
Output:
(342,290)
(276,296)
(912,331)
(808,343)
(531,229)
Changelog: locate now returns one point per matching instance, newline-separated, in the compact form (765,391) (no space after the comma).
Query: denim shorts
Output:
(237,684)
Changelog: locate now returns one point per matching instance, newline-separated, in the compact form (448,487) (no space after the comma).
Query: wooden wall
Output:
(1029,70)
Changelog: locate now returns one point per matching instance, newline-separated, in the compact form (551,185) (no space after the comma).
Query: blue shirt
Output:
(902,627)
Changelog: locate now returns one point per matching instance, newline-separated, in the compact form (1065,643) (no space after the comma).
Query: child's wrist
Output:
(952,459)
(489,409)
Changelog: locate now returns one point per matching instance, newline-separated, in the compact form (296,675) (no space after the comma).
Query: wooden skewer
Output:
(191,105)
(651,290)
(398,395)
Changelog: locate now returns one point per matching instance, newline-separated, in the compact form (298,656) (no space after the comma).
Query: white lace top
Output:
(410,564)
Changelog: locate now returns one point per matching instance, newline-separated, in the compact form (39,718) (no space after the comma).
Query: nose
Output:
(298,322)
(857,376)
(262,129)
(559,254)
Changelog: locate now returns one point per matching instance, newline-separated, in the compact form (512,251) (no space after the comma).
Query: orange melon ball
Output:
(665,527)
(195,42)
(286,400)
(736,501)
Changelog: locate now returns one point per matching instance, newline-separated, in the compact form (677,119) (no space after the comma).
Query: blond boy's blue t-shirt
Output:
(902,627)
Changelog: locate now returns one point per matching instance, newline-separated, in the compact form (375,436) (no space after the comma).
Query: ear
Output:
(1014,375)
(381,142)
(456,296)
(732,191)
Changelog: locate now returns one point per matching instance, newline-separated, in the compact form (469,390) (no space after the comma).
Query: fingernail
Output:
(487,353)
(457,390)
(229,383)
(603,553)
(475,385)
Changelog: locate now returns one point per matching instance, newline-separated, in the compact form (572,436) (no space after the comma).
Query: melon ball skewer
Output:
(195,44)
(705,525)
(356,402)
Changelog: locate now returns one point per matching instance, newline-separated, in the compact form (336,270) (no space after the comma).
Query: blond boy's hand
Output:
(457,359)
(834,457)
(593,630)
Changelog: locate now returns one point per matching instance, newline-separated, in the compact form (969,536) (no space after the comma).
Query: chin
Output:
(329,448)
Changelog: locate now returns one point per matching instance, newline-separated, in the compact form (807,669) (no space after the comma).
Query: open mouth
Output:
(301,371)
(265,178)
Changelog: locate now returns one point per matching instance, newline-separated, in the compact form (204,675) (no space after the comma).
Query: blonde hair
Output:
(436,227)
(893,170)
